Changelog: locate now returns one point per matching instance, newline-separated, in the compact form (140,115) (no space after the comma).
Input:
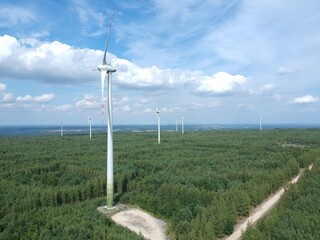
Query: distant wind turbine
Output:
(61,131)
(260,123)
(182,125)
(90,127)
(107,69)
(158,115)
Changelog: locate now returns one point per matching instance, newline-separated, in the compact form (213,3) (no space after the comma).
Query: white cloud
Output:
(44,98)
(126,108)
(63,108)
(8,45)
(140,103)
(89,101)
(12,16)
(267,88)
(51,62)
(5,96)
(2,86)
(58,63)
(170,109)
(284,71)
(38,99)
(305,99)
(149,110)
(221,83)
(130,75)
(27,98)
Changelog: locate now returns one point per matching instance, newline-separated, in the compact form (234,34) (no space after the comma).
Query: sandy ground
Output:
(261,210)
(141,222)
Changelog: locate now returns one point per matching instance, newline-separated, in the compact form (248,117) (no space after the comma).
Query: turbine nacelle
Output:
(106,67)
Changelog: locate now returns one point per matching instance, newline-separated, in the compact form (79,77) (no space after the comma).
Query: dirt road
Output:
(261,210)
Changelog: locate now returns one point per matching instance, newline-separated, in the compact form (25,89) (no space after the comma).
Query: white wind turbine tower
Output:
(158,115)
(107,69)
(90,127)
(260,123)
(182,126)
(61,127)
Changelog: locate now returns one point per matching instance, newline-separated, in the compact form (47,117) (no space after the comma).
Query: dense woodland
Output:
(297,214)
(200,183)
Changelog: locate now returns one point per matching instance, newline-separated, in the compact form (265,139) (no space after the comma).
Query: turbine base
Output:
(110,211)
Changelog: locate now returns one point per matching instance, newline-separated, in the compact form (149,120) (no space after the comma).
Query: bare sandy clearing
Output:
(141,222)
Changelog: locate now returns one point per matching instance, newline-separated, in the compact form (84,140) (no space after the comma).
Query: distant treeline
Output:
(200,182)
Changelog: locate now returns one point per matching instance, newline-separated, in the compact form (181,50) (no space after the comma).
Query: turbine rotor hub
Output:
(106,67)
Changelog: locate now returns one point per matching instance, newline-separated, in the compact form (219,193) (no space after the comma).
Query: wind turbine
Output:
(107,69)
(182,126)
(158,115)
(90,126)
(61,131)
(260,123)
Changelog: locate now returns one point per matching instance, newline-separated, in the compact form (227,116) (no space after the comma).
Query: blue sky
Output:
(213,61)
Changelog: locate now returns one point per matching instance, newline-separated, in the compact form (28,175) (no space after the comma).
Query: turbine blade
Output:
(104,61)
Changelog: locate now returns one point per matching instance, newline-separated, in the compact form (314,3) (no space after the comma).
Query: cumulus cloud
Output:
(131,75)
(120,104)
(27,98)
(5,96)
(52,62)
(89,101)
(221,83)
(267,88)
(305,99)
(58,63)
(126,108)
(2,87)
(38,99)
(44,98)
(63,108)
(283,71)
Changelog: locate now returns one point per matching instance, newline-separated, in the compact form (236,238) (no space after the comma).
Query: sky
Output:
(212,61)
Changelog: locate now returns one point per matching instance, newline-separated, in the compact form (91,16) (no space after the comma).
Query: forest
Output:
(297,214)
(200,183)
